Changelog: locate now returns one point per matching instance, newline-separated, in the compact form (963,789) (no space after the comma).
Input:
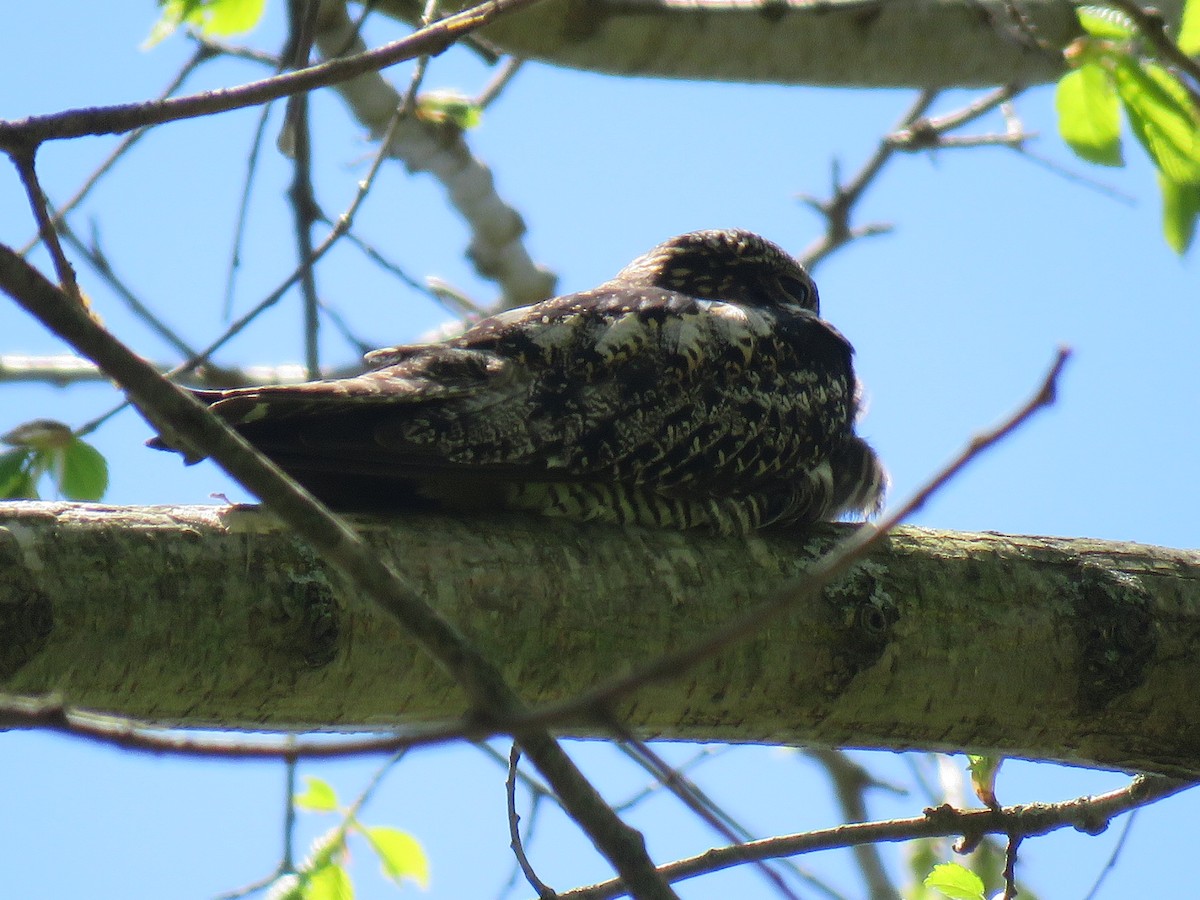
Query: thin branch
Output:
(297,138)
(833,564)
(1088,814)
(189,424)
(243,213)
(288,860)
(924,133)
(850,782)
(49,714)
(693,798)
(64,369)
(201,55)
(514,828)
(24,162)
(430,40)
(499,82)
(1112,857)
(838,208)
(98,260)
(1013,141)
(1010,867)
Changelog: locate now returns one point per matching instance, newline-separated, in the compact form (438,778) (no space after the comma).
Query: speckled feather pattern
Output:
(699,387)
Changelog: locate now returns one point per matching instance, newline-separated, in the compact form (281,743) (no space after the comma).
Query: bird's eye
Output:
(800,291)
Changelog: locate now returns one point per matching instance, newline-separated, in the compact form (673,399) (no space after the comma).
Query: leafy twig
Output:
(1090,814)
(1154,28)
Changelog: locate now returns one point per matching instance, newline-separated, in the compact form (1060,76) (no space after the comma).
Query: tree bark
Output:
(849,43)
(1070,649)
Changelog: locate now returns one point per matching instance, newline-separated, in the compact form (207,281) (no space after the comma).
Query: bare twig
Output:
(838,208)
(514,828)
(49,714)
(62,370)
(98,260)
(1011,140)
(1112,857)
(1090,814)
(202,54)
(499,82)
(850,783)
(297,139)
(692,797)
(926,133)
(1010,867)
(24,162)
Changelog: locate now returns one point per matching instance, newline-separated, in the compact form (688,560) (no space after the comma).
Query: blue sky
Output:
(994,262)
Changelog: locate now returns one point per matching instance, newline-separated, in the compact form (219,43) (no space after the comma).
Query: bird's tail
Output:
(860,481)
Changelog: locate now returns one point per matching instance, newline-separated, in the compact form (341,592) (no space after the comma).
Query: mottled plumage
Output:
(699,387)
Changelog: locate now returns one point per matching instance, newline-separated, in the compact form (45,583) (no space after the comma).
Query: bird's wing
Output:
(643,386)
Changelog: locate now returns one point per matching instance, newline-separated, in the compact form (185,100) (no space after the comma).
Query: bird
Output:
(698,388)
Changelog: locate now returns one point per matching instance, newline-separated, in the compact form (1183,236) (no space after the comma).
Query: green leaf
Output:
(330,882)
(15,483)
(449,106)
(1181,208)
(956,882)
(983,777)
(400,853)
(40,434)
(213,17)
(1089,115)
(1162,118)
(226,17)
(1189,28)
(317,796)
(83,473)
(1102,22)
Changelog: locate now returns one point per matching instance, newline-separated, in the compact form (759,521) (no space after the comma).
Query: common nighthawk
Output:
(699,387)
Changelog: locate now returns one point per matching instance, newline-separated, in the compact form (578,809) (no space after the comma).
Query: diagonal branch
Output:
(329,536)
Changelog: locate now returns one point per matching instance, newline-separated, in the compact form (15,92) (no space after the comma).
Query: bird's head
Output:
(726,264)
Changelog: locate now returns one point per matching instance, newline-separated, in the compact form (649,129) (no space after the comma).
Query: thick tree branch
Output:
(873,43)
(1077,650)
